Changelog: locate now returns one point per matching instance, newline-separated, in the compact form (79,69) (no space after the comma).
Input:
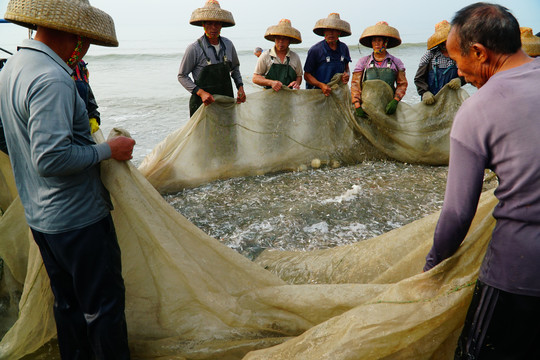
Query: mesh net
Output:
(190,297)
(287,130)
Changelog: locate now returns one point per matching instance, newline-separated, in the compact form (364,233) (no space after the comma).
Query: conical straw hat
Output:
(381,29)
(211,12)
(441,34)
(283,28)
(332,22)
(72,16)
(530,43)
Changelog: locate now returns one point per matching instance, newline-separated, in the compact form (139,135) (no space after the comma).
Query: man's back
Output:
(53,155)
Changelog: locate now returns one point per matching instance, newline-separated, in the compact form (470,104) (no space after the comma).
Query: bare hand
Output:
(121,148)
(294,85)
(241,95)
(206,97)
(345,77)
(277,85)
(326,89)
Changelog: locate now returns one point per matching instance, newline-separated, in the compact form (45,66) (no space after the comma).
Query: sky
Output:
(169,19)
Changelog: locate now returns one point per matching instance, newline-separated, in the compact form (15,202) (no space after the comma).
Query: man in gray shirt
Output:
(211,60)
(496,128)
(56,166)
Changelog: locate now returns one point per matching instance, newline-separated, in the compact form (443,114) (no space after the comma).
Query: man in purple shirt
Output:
(497,128)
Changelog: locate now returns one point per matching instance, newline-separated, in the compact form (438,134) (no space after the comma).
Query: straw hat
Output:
(283,28)
(441,34)
(211,12)
(332,22)
(72,16)
(530,43)
(381,29)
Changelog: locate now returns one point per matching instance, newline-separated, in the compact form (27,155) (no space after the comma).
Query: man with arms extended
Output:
(56,167)
(329,56)
(497,128)
(211,60)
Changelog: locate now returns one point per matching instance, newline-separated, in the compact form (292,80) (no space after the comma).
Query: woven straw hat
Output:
(211,12)
(381,29)
(530,43)
(332,22)
(283,28)
(441,34)
(72,16)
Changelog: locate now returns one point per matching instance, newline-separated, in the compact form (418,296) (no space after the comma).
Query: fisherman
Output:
(380,65)
(81,78)
(496,128)
(436,69)
(529,42)
(329,56)
(211,60)
(280,65)
(56,165)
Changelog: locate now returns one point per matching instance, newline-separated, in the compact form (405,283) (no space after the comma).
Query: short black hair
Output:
(488,24)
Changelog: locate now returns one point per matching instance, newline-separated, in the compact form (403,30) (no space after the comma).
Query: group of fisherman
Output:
(56,162)
(212,60)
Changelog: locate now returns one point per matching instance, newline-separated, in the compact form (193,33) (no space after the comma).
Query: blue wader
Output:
(328,69)
(437,77)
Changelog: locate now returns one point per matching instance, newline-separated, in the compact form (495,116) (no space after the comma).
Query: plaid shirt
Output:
(434,57)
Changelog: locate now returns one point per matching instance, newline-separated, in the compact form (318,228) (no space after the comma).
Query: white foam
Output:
(347,196)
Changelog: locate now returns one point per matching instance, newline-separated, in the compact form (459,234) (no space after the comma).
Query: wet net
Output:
(190,297)
(297,129)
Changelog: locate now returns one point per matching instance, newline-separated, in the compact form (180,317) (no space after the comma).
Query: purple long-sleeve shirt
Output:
(497,128)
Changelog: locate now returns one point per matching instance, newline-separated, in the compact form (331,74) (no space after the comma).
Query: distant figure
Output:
(380,65)
(211,60)
(529,42)
(436,69)
(496,128)
(257,52)
(330,56)
(280,66)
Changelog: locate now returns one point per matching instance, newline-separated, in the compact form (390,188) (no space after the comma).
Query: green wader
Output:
(283,73)
(385,74)
(214,79)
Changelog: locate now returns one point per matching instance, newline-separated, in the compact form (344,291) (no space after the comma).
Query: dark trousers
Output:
(500,326)
(85,272)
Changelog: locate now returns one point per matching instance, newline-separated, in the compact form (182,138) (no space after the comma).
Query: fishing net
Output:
(190,297)
(295,129)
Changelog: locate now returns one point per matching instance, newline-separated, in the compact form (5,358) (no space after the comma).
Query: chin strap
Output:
(76,55)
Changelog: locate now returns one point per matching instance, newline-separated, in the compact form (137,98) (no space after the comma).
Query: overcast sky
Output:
(169,19)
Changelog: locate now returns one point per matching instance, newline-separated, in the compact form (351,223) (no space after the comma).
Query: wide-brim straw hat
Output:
(332,22)
(72,16)
(283,28)
(381,29)
(529,42)
(442,29)
(211,12)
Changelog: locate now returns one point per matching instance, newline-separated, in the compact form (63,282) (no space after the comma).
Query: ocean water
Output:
(138,90)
